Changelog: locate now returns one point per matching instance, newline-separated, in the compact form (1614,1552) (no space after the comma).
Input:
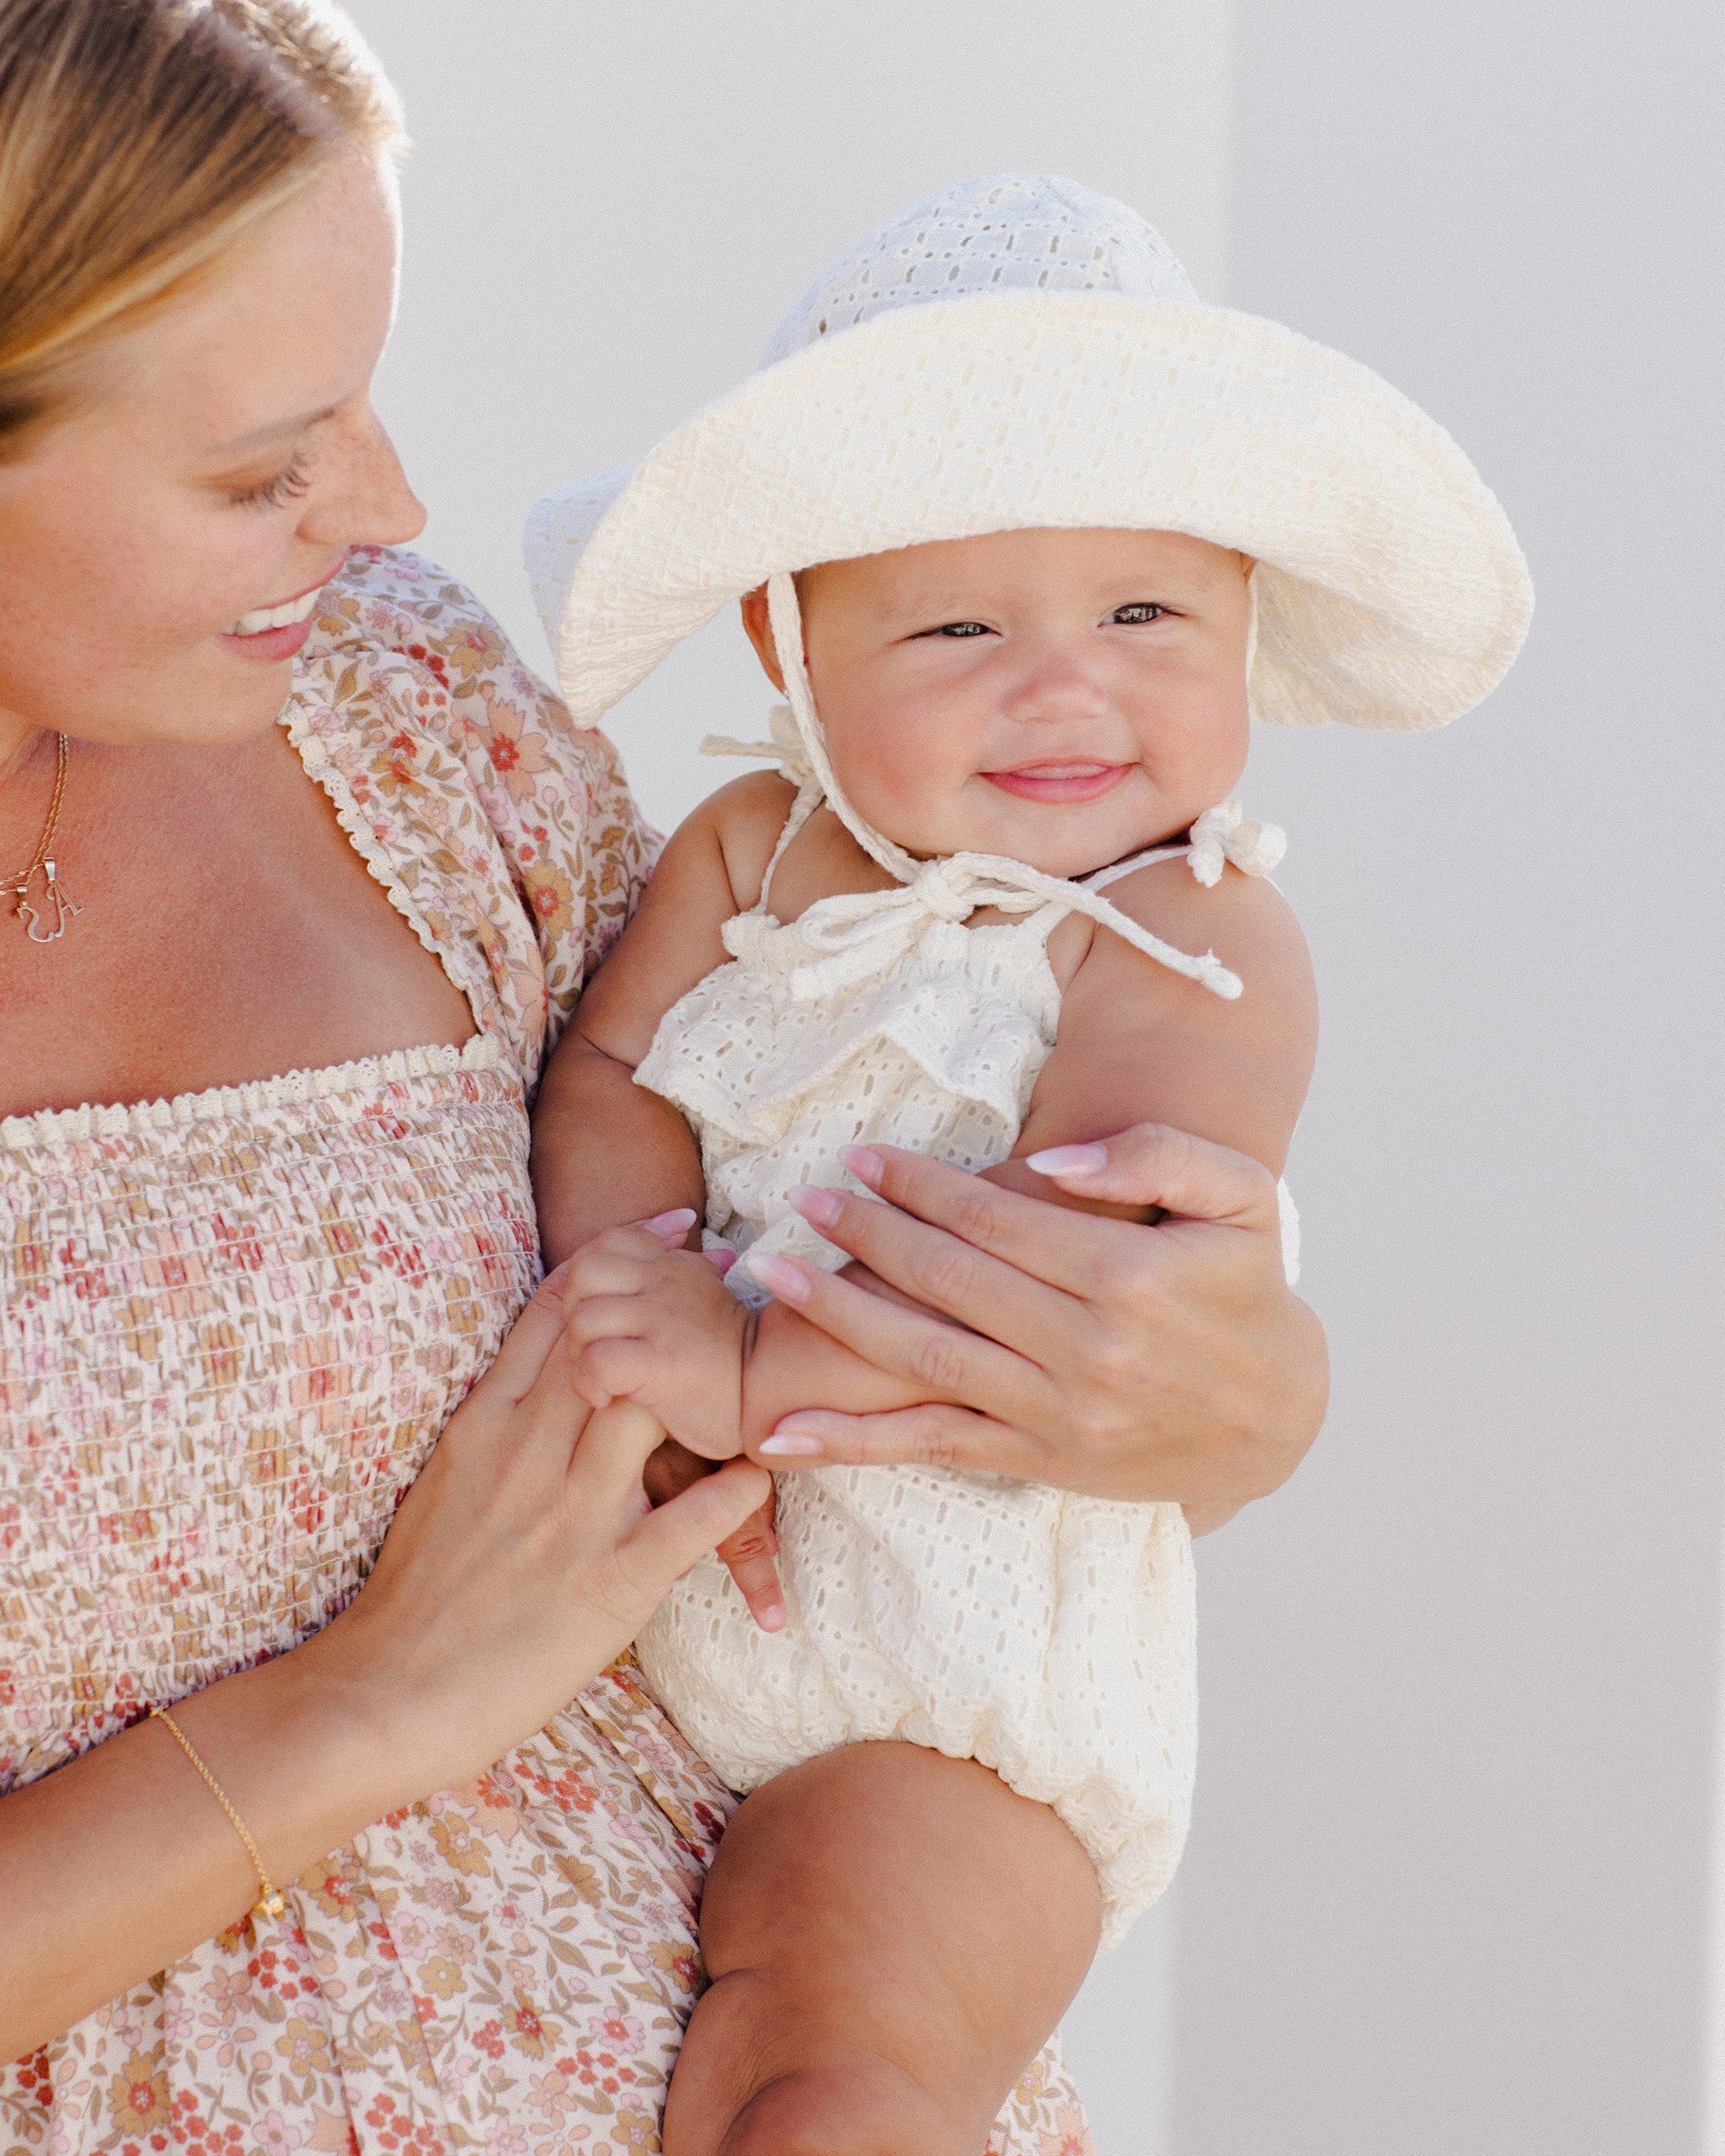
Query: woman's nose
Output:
(365,498)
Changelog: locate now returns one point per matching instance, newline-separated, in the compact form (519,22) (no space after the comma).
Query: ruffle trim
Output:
(758,1102)
(313,752)
(257,1096)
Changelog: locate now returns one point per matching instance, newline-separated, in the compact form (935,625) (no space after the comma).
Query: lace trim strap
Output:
(786,750)
(1100,880)
(807,800)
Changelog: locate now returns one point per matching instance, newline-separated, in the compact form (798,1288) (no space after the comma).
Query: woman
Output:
(237,1316)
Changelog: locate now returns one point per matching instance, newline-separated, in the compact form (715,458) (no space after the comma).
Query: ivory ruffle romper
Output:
(1050,1635)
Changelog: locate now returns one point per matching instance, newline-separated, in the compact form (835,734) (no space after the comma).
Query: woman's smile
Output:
(276,632)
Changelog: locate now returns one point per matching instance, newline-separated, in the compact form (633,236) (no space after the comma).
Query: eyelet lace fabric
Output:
(1013,232)
(1051,1637)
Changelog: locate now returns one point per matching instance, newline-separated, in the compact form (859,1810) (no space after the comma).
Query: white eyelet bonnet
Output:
(1016,352)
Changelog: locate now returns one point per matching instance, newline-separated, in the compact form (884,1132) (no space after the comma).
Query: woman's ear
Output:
(759,630)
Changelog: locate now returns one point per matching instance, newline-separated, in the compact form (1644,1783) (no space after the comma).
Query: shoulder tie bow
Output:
(859,933)
(1224,833)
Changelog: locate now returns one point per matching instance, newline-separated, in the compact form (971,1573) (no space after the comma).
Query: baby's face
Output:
(1063,697)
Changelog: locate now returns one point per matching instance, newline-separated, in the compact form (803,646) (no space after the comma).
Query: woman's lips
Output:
(1060,782)
(269,646)
(273,633)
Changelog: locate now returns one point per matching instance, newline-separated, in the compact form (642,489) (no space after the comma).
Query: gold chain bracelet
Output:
(272,1902)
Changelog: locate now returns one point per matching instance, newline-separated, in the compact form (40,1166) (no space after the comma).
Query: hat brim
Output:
(1391,592)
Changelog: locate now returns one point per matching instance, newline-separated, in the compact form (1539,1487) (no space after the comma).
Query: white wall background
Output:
(1449,1888)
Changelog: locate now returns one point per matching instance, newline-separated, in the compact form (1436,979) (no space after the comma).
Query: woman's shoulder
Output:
(468,769)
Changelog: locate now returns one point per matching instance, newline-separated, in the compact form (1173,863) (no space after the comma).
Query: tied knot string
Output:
(1225,833)
(858,935)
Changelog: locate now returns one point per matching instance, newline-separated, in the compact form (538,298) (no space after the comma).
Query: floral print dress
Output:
(231,1325)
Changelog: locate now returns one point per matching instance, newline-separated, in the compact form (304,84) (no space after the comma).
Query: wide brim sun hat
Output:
(1017,352)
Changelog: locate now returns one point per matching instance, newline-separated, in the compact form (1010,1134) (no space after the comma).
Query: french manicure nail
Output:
(782,1276)
(864,1163)
(819,1208)
(1069,1160)
(677,1222)
(790,1446)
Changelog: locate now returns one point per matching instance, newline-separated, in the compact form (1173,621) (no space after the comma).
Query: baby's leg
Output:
(892,1937)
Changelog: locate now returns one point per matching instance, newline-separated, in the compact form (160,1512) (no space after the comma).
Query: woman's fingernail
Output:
(782,1276)
(1069,1160)
(721,1261)
(864,1163)
(790,1444)
(819,1208)
(772,1619)
(677,1222)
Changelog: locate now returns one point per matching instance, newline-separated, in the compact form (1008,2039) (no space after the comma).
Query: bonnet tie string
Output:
(859,933)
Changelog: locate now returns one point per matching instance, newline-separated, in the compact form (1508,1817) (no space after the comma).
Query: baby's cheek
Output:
(906,785)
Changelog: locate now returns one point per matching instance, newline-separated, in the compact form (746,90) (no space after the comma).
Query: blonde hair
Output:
(141,141)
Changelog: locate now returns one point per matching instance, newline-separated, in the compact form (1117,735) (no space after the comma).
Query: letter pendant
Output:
(54,893)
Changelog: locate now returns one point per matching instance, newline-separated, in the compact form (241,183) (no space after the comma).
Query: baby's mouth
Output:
(1070,780)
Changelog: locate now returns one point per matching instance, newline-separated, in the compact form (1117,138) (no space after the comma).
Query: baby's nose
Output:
(1056,684)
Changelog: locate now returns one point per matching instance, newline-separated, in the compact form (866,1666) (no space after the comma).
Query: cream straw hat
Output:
(1018,351)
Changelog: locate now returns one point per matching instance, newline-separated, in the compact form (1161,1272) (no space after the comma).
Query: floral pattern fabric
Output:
(231,1327)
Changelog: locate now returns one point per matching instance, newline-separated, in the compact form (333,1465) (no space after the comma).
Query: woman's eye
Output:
(274,493)
(1139,611)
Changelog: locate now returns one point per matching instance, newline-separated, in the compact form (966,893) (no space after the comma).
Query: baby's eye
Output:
(1139,611)
(959,629)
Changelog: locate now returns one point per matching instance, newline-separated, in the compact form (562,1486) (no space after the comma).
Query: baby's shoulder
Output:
(744,820)
(1245,920)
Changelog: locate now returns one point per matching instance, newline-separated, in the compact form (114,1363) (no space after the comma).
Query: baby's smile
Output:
(1070,780)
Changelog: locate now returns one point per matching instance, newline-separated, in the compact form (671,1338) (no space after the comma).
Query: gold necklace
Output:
(41,863)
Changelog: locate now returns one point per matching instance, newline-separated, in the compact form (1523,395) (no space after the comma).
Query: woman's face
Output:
(225,459)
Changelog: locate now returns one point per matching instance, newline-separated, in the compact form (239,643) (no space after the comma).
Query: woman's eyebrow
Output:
(277,430)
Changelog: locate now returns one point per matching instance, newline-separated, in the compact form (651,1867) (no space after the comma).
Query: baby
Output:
(1024,535)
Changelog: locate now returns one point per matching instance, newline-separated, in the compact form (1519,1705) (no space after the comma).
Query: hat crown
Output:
(1011,233)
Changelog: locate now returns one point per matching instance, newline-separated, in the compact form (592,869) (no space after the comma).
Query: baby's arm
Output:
(1139,1043)
(605,1151)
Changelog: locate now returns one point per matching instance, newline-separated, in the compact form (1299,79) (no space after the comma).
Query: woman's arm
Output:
(522,1560)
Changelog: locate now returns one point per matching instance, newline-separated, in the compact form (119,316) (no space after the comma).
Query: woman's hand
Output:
(523,1559)
(1168,1362)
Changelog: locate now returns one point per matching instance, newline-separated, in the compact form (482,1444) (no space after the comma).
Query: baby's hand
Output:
(659,1326)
